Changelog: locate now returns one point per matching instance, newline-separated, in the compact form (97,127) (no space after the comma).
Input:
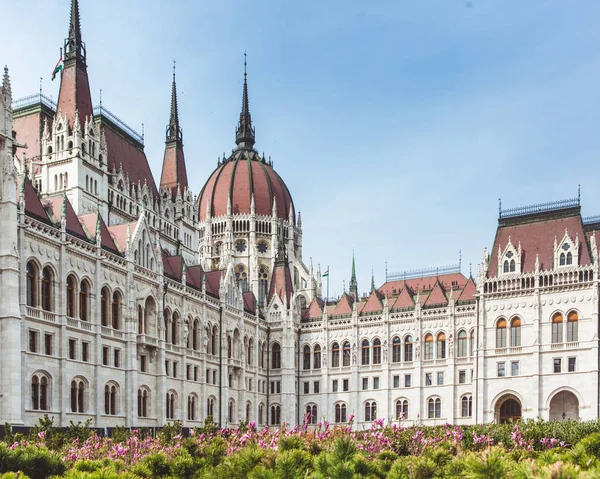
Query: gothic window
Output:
(167,314)
(195,336)
(346,354)
(191,415)
(241,277)
(377,351)
(370,411)
(248,407)
(174,328)
(260,413)
(240,246)
(396,350)
(434,408)
(143,402)
(317,357)
(77,395)
(441,346)
(275,415)
(566,256)
(110,399)
(262,247)
(428,347)
(340,412)
(231,411)
(40,392)
(515,332)
(32,277)
(401,409)
(335,355)
(311,414)
(210,407)
(472,342)
(557,328)
(116,310)
(47,278)
(572,329)
(140,313)
(170,405)
(365,352)
(83,301)
(462,344)
(501,333)
(306,357)
(104,299)
(263,276)
(213,341)
(71,297)
(261,358)
(408,349)
(276,356)
(250,351)
(229,349)
(467,406)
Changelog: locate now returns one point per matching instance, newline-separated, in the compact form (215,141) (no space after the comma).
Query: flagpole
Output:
(327,284)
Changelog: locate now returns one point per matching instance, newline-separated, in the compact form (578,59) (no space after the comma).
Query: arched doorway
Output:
(508,409)
(564,405)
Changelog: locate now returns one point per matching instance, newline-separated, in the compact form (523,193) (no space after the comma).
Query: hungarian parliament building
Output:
(133,302)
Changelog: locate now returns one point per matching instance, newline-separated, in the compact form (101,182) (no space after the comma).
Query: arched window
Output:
(260,413)
(506,266)
(370,411)
(32,279)
(466,406)
(170,404)
(231,411)
(317,357)
(365,351)
(396,350)
(241,276)
(213,341)
(140,312)
(572,329)
(110,399)
(210,407)
(377,351)
(428,347)
(262,355)
(250,351)
(513,266)
(401,409)
(229,349)
(434,408)
(515,332)
(346,354)
(168,325)
(557,328)
(276,356)
(340,412)
(174,328)
(77,395)
(462,344)
(83,301)
(306,357)
(275,415)
(39,392)
(263,278)
(191,415)
(116,310)
(311,414)
(143,402)
(472,342)
(71,297)
(408,349)
(47,278)
(440,346)
(335,355)
(569,258)
(501,333)
(248,407)
(104,299)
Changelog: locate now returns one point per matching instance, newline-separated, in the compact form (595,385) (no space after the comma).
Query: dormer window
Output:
(566,257)
(509,260)
(566,252)
(509,263)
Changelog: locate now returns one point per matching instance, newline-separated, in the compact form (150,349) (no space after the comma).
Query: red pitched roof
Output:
(119,234)
(281,284)
(391,288)
(173,169)
(537,238)
(29,127)
(194,275)
(314,310)
(213,282)
(249,302)
(436,297)
(73,225)
(404,300)
(172,265)
(372,304)
(75,93)
(344,305)
(33,205)
(468,293)
(89,223)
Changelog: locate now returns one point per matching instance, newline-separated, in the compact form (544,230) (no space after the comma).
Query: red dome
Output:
(241,175)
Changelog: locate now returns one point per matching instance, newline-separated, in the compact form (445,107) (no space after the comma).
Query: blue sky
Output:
(396,125)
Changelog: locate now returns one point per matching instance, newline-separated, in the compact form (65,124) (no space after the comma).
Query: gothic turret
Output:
(353,283)
(74,92)
(244,136)
(174,172)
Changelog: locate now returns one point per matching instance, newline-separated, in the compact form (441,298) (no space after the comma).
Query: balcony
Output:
(115,333)
(572,345)
(556,347)
(147,340)
(40,314)
(79,324)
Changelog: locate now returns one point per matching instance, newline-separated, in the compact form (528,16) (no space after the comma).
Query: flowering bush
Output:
(523,449)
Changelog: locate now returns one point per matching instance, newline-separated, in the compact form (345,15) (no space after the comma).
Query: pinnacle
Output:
(244,135)
(6,82)
(75,25)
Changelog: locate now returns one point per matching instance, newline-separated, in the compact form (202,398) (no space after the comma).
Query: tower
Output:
(10,315)
(353,283)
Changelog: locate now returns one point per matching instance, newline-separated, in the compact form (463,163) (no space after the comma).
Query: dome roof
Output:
(241,175)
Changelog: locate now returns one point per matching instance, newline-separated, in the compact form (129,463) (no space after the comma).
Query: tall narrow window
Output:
(441,346)
(317,357)
(276,356)
(104,299)
(140,313)
(557,328)
(340,412)
(370,411)
(467,406)
(306,357)
(346,354)
(116,310)
(335,355)
(472,342)
(365,351)
(83,301)
(396,350)
(572,329)
(32,278)
(515,332)
(71,297)
(501,333)
(401,409)
(408,349)
(47,289)
(377,351)
(462,344)
(428,347)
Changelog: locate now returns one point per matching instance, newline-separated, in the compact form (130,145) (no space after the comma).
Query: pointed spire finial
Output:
(6,89)
(353,284)
(372,281)
(74,46)
(244,135)
(174,132)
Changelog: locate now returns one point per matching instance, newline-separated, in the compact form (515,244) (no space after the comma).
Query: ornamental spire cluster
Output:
(74,47)
(174,131)
(244,135)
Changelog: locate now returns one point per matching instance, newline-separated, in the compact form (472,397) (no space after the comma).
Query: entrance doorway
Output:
(508,409)
(564,405)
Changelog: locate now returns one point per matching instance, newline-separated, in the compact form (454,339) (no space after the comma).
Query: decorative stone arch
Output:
(510,412)
(564,403)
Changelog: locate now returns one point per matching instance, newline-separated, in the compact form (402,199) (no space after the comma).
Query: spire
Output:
(244,135)
(353,283)
(281,256)
(372,281)
(74,46)
(174,132)
(6,90)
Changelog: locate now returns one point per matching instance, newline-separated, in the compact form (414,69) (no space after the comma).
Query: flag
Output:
(326,273)
(58,68)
